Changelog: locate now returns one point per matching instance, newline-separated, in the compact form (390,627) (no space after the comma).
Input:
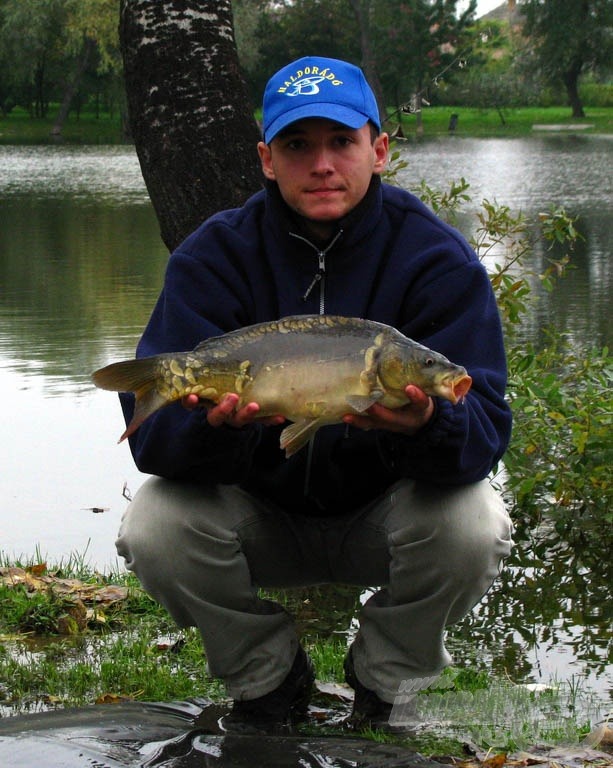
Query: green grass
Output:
(20,128)
(517,121)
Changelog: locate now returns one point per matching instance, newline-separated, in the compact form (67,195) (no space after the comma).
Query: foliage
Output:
(415,41)
(288,30)
(558,465)
(30,40)
(563,413)
(42,44)
(494,75)
(568,38)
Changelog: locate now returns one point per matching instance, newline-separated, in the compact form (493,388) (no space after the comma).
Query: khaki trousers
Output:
(202,552)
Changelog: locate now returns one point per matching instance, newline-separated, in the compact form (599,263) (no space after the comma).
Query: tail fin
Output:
(139,377)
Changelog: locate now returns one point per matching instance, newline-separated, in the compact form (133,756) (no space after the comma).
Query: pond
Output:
(81,264)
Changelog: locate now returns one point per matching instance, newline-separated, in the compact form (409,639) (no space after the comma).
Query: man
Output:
(396,499)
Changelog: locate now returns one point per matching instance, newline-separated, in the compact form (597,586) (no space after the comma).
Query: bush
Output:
(596,94)
(557,467)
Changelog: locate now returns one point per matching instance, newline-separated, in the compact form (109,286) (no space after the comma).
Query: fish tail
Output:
(139,377)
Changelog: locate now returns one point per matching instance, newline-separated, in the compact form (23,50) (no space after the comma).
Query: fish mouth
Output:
(455,389)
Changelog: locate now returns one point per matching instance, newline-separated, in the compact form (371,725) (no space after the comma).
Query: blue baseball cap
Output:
(318,87)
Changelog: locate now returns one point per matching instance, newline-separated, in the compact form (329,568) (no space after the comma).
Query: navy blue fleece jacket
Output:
(391,260)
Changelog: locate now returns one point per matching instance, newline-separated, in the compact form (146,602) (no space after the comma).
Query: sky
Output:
(483,6)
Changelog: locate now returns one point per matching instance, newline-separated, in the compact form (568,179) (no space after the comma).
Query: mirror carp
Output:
(312,369)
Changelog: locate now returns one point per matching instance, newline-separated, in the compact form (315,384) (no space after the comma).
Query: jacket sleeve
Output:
(198,300)
(455,313)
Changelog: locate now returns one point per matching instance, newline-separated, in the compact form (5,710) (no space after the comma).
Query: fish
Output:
(311,369)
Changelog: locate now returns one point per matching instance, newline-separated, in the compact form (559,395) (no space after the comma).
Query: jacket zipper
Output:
(320,275)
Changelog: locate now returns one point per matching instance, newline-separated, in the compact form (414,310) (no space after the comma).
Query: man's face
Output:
(323,169)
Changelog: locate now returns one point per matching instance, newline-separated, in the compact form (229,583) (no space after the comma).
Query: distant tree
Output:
(247,15)
(289,29)
(89,40)
(190,115)
(569,37)
(416,40)
(31,33)
(364,13)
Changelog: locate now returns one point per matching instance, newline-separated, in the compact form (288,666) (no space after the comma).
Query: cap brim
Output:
(336,112)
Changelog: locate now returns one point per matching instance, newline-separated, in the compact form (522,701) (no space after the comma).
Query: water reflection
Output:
(81,264)
(96,174)
(78,284)
(530,175)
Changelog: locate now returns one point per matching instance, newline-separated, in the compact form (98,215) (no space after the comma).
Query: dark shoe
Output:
(370,711)
(277,709)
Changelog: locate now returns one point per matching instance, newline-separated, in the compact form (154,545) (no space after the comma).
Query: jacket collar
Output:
(358,223)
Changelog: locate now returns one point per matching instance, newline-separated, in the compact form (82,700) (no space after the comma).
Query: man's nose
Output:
(322,160)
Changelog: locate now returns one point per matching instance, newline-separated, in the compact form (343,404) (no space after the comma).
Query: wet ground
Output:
(177,735)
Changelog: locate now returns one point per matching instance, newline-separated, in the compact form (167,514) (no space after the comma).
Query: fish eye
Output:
(429,362)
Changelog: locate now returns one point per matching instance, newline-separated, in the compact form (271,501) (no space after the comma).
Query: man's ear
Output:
(381,146)
(266,160)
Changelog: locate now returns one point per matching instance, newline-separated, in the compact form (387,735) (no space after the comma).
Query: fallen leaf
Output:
(38,569)
(335,690)
(496,761)
(113,698)
(110,594)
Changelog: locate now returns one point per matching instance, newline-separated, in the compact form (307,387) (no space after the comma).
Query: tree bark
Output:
(571,83)
(190,116)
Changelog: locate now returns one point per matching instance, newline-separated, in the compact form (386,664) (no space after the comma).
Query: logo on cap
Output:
(308,78)
(308,86)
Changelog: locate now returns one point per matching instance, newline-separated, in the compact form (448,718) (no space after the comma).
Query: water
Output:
(81,264)
(531,175)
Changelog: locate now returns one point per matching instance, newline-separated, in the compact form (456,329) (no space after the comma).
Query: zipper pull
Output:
(321,255)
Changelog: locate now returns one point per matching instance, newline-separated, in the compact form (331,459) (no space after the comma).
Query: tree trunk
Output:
(571,82)
(190,115)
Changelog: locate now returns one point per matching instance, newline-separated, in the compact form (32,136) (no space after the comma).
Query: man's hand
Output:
(225,412)
(409,419)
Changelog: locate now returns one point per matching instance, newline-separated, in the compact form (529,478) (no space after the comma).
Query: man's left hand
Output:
(408,420)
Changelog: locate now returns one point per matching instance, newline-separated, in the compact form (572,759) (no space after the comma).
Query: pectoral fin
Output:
(361,403)
(298,434)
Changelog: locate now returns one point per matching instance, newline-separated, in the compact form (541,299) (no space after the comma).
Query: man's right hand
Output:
(225,412)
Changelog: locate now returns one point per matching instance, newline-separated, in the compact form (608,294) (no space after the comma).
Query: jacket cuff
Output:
(399,451)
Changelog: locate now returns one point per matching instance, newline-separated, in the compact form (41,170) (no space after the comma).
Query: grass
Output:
(20,128)
(518,121)
(129,649)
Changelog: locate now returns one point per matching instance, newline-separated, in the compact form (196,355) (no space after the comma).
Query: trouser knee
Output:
(463,531)
(147,537)
(174,537)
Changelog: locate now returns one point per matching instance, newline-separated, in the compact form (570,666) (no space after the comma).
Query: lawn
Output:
(20,128)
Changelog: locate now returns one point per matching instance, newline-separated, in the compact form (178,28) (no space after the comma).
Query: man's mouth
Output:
(324,191)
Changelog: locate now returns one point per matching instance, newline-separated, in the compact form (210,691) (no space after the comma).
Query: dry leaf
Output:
(113,698)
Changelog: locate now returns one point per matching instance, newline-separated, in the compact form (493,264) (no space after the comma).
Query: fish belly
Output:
(306,389)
